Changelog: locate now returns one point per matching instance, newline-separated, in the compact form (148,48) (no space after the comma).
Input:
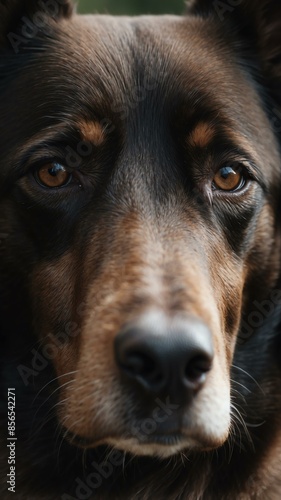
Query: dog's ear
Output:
(257,23)
(21,19)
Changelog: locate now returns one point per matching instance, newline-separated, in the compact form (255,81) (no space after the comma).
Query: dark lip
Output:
(165,439)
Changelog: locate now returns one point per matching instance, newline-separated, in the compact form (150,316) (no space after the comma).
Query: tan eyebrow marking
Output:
(92,132)
(202,135)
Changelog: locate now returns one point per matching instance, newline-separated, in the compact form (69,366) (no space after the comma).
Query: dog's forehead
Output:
(113,58)
(157,44)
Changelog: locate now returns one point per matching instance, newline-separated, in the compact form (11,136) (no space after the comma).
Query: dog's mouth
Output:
(161,444)
(165,439)
(162,439)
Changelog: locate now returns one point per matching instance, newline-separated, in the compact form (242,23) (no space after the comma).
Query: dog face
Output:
(138,166)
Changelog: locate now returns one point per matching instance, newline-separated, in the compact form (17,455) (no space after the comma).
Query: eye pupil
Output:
(54,170)
(226,171)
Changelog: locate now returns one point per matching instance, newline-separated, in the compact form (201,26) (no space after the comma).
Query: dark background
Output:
(132,6)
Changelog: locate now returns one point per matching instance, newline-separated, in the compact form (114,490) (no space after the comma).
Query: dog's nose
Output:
(172,357)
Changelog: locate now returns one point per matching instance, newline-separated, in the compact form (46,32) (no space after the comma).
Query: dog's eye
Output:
(53,175)
(229,178)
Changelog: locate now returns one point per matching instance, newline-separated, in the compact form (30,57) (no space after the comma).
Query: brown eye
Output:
(229,178)
(53,175)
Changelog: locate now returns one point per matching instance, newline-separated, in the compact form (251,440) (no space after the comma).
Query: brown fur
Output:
(92,132)
(202,135)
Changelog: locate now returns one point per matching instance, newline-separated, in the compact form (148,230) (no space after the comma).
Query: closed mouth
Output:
(165,439)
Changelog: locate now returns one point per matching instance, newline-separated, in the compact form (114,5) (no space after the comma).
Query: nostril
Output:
(197,369)
(138,363)
(141,365)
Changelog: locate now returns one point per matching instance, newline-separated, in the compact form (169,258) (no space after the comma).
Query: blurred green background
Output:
(131,7)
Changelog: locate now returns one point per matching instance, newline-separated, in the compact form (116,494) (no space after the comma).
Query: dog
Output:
(140,176)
